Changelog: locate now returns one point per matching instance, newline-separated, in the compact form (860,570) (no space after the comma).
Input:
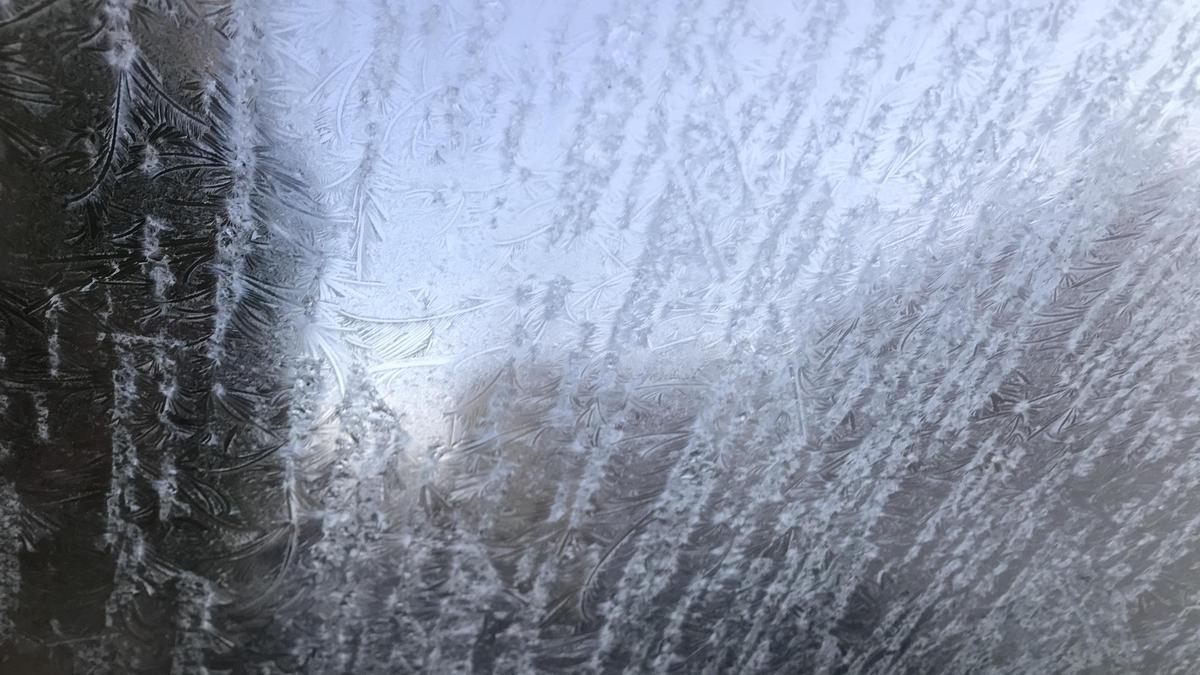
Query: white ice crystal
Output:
(617,336)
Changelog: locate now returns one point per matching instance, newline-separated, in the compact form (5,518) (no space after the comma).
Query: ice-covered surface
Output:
(709,336)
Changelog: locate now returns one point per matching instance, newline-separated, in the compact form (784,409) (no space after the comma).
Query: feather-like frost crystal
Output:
(694,336)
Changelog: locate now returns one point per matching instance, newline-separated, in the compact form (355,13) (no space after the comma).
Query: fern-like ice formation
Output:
(504,336)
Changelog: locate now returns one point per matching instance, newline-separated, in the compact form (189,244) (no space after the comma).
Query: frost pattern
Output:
(693,336)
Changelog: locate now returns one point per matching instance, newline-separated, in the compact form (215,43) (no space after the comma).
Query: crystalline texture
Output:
(700,336)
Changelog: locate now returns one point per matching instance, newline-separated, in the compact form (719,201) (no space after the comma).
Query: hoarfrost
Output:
(702,336)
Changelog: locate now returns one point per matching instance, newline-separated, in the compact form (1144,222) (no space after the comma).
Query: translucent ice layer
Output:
(705,336)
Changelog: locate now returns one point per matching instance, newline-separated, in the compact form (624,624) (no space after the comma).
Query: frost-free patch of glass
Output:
(704,336)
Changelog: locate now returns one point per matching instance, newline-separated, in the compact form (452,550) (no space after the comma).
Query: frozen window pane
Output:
(711,336)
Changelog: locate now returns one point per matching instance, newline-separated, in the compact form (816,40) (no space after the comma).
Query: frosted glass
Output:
(717,336)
